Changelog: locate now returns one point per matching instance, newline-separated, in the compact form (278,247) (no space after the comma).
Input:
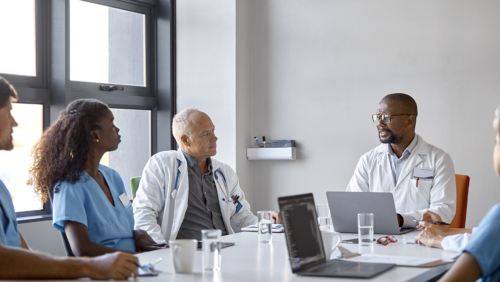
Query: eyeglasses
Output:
(386,240)
(385,118)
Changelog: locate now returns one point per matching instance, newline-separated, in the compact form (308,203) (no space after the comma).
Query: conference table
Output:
(249,260)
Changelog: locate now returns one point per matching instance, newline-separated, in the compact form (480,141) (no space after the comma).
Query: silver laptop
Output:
(345,206)
(305,246)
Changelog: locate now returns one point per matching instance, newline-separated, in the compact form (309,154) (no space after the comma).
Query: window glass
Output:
(107,45)
(18,48)
(15,163)
(135,149)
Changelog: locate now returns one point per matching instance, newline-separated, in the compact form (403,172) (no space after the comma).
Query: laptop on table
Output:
(305,246)
(345,206)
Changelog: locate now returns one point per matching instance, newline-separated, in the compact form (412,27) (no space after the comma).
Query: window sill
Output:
(34,218)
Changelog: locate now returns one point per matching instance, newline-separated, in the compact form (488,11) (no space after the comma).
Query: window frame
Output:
(40,79)
(129,90)
(53,89)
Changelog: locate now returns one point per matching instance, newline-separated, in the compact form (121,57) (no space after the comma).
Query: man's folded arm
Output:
(244,217)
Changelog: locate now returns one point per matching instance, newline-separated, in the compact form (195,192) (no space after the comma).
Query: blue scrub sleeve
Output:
(69,206)
(484,246)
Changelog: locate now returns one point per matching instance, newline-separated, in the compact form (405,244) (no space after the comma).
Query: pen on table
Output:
(433,222)
(264,141)
(150,266)
(256,141)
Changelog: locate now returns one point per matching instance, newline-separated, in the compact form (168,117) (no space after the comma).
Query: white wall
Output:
(318,69)
(206,66)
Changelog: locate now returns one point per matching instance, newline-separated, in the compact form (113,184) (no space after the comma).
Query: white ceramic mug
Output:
(183,251)
(328,242)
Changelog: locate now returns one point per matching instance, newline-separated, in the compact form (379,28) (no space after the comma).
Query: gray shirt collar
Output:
(408,149)
(191,161)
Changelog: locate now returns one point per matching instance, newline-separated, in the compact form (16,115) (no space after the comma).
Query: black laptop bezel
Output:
(322,250)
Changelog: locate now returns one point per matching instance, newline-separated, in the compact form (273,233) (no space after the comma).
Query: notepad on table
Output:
(277,228)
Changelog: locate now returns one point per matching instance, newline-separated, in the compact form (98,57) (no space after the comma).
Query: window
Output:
(18,51)
(14,164)
(107,44)
(134,151)
(59,51)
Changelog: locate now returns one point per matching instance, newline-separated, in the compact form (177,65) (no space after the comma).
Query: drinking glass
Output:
(365,229)
(324,219)
(210,245)
(265,226)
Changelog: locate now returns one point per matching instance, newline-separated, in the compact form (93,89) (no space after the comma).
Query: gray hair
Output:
(181,124)
(496,121)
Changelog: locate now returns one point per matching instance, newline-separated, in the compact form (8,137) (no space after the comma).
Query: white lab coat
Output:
(374,174)
(152,201)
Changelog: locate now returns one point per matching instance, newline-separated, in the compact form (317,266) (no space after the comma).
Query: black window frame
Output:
(40,79)
(53,89)
(129,90)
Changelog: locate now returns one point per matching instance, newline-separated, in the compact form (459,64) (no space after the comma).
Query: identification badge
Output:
(423,173)
(125,200)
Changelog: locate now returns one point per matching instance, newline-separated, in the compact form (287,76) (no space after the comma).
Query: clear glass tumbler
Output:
(324,219)
(265,225)
(365,229)
(210,245)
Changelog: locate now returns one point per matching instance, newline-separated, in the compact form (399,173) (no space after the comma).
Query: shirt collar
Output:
(408,149)
(191,161)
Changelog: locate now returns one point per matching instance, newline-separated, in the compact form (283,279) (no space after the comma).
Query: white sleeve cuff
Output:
(455,243)
(408,221)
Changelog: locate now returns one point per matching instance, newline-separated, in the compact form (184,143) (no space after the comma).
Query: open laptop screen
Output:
(304,242)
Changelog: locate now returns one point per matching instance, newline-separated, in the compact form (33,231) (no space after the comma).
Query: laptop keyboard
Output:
(334,266)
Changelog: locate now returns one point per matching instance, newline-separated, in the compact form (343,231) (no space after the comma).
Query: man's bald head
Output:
(405,101)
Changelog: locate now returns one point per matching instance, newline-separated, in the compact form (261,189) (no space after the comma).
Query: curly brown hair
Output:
(66,146)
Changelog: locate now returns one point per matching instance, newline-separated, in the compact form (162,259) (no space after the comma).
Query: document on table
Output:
(398,260)
(277,228)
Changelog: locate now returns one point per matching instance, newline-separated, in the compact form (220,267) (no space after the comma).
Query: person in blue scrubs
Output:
(481,256)
(89,200)
(16,260)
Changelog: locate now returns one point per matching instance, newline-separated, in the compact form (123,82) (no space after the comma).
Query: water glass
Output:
(324,219)
(210,245)
(265,225)
(365,229)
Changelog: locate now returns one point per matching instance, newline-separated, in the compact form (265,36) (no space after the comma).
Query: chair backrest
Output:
(67,246)
(462,196)
(134,184)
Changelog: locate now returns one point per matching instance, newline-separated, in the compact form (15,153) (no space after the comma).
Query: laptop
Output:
(345,206)
(305,246)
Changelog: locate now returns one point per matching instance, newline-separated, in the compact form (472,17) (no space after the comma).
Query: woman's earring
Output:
(97,140)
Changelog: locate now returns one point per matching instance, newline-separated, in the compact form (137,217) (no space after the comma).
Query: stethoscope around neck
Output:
(218,171)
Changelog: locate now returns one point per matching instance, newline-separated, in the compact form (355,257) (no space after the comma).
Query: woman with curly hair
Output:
(90,204)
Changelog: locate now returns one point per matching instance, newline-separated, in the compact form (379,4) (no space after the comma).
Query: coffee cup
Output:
(331,240)
(183,251)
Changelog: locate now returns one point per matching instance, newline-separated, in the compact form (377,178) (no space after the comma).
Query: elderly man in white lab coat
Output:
(185,191)
(419,175)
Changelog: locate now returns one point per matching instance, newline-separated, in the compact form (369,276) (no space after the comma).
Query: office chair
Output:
(134,185)
(462,196)
(67,246)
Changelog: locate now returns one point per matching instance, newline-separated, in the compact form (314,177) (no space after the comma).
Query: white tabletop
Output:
(248,260)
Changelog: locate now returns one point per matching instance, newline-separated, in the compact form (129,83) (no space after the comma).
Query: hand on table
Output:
(441,230)
(430,237)
(276,217)
(144,242)
(116,266)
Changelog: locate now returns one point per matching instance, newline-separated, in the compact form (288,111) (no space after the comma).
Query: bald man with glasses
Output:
(419,175)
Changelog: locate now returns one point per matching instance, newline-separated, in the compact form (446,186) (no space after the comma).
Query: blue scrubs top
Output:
(85,202)
(9,234)
(485,246)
